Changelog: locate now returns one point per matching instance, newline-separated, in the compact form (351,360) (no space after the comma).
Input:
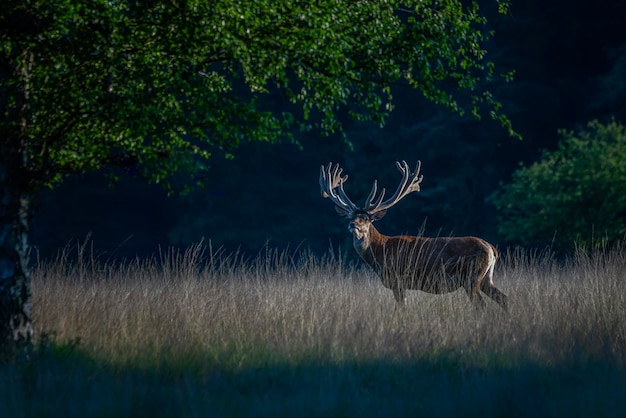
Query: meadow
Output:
(200,333)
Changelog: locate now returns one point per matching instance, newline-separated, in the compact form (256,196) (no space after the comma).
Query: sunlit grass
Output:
(198,333)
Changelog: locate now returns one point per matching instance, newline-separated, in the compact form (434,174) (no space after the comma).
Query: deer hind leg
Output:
(398,294)
(493,292)
(472,285)
(473,292)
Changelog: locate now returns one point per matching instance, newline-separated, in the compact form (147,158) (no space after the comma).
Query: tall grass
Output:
(202,333)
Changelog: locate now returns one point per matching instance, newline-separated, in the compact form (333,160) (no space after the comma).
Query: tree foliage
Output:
(158,86)
(575,193)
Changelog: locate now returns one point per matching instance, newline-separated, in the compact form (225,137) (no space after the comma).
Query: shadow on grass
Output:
(61,380)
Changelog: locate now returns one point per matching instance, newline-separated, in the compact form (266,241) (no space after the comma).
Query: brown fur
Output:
(434,265)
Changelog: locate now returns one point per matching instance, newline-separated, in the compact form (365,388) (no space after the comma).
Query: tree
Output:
(573,194)
(156,87)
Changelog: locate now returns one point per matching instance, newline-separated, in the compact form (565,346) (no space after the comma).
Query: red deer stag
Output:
(434,265)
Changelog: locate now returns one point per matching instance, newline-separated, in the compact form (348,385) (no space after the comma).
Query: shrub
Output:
(574,194)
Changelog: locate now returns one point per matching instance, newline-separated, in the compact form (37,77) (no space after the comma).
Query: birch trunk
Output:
(15,296)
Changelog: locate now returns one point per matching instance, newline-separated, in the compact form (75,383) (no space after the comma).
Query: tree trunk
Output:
(16,328)
(15,298)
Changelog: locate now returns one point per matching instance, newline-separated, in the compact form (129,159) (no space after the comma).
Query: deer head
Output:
(375,207)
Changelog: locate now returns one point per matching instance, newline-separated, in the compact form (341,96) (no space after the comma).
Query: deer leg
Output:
(474,296)
(398,293)
(495,294)
(486,285)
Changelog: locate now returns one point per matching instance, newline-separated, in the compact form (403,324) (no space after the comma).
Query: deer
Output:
(434,265)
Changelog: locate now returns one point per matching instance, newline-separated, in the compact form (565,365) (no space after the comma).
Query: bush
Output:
(574,194)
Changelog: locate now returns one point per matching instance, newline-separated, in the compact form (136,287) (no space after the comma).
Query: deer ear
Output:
(342,212)
(378,215)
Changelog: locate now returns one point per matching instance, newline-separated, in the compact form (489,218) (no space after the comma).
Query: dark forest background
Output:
(570,64)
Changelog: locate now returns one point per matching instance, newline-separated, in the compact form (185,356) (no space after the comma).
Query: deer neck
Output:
(370,244)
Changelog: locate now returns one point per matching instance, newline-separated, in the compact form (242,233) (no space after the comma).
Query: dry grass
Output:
(279,335)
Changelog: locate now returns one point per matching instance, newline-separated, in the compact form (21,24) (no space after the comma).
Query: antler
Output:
(331,185)
(410,183)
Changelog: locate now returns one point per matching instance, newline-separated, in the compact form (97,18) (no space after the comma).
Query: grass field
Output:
(197,334)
